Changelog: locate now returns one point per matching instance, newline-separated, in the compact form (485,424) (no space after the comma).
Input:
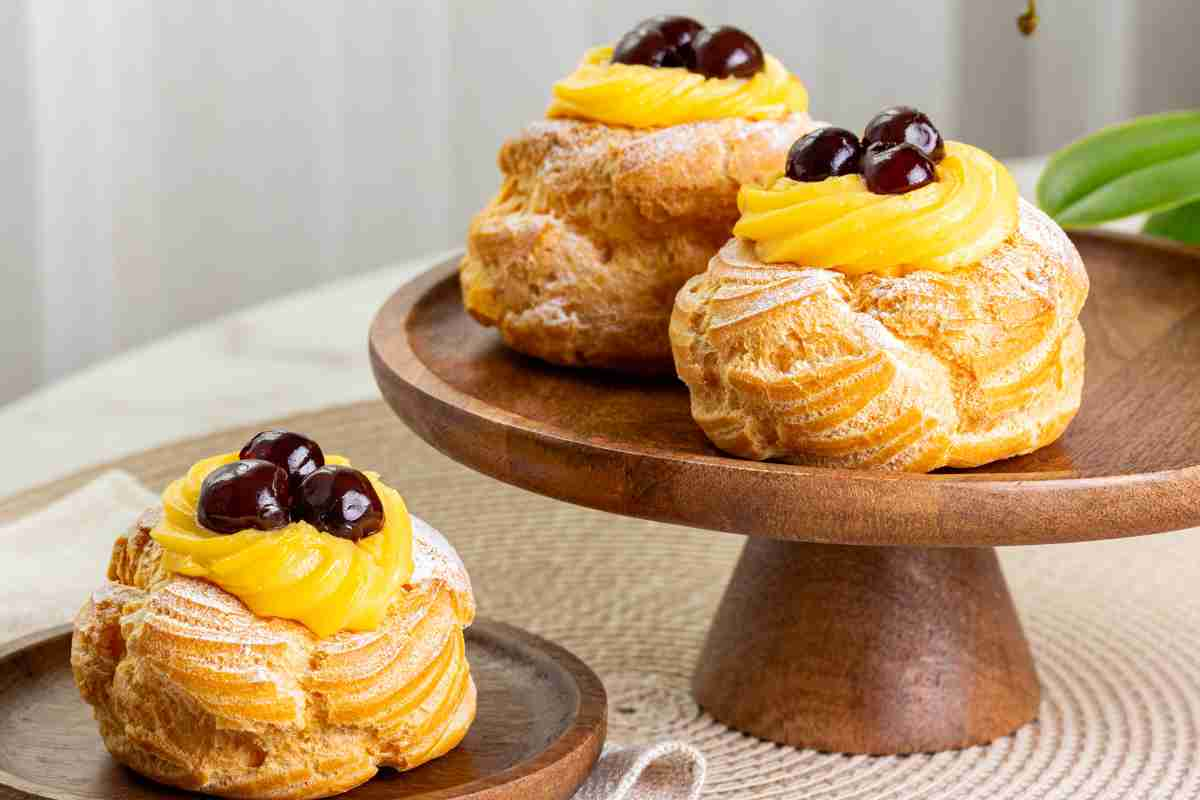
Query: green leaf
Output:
(1181,224)
(1147,164)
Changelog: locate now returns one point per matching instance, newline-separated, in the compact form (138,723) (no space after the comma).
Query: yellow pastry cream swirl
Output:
(650,97)
(296,572)
(839,224)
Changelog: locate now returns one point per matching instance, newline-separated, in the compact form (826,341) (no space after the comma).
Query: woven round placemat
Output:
(1115,628)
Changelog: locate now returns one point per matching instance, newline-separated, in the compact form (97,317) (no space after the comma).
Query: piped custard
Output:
(648,97)
(884,207)
(292,570)
(670,70)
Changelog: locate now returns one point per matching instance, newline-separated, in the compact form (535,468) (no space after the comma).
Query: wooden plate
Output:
(1127,465)
(538,731)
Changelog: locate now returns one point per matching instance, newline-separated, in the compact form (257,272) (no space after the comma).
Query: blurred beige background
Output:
(164,162)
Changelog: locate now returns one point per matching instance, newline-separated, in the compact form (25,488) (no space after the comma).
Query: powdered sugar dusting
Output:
(434,558)
(113,591)
(665,145)
(206,596)
(1045,233)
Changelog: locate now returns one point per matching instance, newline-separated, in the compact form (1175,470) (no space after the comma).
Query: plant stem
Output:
(1027,23)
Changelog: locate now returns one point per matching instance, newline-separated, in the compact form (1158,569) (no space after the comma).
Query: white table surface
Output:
(263,362)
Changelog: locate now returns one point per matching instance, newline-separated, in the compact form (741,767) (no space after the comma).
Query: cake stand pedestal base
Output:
(878,650)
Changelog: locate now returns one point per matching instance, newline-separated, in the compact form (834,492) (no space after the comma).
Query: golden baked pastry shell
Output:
(193,690)
(908,373)
(578,258)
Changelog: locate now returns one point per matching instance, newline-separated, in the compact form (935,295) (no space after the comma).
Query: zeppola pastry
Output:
(281,627)
(888,303)
(626,191)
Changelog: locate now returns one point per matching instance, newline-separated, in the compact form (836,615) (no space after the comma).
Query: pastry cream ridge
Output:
(839,224)
(296,572)
(651,97)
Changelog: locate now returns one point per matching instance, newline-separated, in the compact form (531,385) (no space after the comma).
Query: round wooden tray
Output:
(539,728)
(830,635)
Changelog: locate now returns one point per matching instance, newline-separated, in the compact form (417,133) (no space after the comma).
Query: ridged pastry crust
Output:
(192,689)
(904,373)
(578,258)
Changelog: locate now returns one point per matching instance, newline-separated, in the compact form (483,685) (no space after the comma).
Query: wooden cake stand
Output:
(868,613)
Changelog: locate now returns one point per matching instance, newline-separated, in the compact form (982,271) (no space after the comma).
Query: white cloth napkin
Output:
(49,560)
(662,771)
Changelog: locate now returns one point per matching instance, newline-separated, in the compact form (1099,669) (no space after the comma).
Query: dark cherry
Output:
(824,153)
(662,41)
(726,52)
(679,33)
(250,493)
(340,501)
(647,47)
(295,452)
(896,170)
(905,124)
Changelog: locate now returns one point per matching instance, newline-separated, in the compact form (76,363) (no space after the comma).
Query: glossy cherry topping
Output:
(246,494)
(896,169)
(647,47)
(905,124)
(339,501)
(679,33)
(726,52)
(824,153)
(662,41)
(295,452)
